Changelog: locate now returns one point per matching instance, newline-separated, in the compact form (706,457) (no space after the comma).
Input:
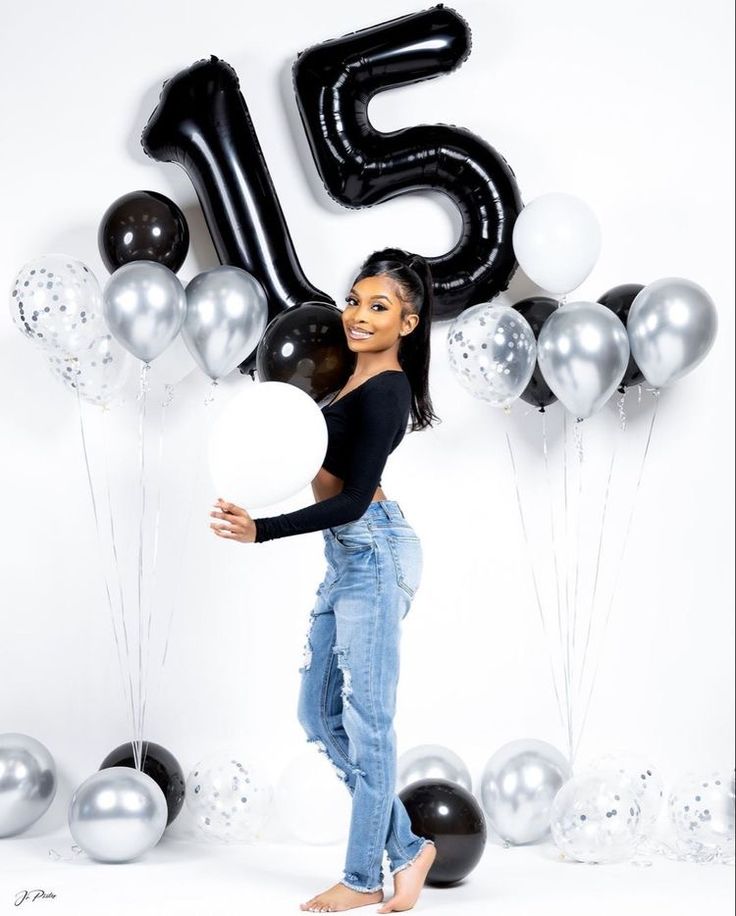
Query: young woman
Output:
(374,565)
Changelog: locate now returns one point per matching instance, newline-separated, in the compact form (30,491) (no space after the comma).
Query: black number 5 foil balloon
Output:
(360,166)
(202,123)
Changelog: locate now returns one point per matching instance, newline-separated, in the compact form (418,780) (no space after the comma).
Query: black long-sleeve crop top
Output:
(364,427)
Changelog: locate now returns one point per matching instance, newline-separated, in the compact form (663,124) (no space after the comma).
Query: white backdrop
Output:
(627,105)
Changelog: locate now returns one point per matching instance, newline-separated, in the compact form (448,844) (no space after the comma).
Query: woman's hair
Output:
(412,275)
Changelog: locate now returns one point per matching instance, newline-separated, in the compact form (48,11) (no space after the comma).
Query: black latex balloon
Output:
(447,813)
(306,346)
(202,123)
(334,83)
(143,226)
(536,310)
(619,300)
(160,765)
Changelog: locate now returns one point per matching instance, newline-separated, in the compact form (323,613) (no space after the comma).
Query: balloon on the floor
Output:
(144,307)
(56,302)
(311,803)
(228,797)
(583,352)
(447,813)
(645,779)
(536,310)
(143,226)
(557,240)
(431,761)
(117,814)
(595,818)
(619,300)
(702,810)
(492,352)
(518,785)
(97,373)
(227,313)
(158,763)
(252,457)
(306,347)
(27,782)
(672,325)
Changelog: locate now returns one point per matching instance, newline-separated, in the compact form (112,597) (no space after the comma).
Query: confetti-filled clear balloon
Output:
(431,761)
(27,782)
(595,818)
(229,798)
(117,814)
(56,302)
(518,785)
(645,780)
(702,811)
(492,352)
(98,372)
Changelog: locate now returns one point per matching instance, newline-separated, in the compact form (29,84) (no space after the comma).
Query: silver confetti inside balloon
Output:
(431,761)
(595,818)
(702,811)
(117,814)
(583,352)
(98,372)
(27,782)
(56,302)
(144,307)
(227,313)
(229,798)
(645,781)
(672,324)
(518,786)
(492,352)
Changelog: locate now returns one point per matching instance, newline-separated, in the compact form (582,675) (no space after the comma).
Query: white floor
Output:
(180,876)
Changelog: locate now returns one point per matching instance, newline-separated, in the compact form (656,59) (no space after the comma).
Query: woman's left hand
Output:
(239,525)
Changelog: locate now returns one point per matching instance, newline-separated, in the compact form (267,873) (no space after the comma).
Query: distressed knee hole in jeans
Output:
(340,773)
(307,657)
(347,685)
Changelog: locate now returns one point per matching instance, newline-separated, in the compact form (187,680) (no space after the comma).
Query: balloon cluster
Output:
(540,350)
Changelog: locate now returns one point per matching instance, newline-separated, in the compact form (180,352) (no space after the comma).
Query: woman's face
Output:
(372,315)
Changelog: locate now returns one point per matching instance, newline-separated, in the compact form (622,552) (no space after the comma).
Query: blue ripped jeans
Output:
(349,679)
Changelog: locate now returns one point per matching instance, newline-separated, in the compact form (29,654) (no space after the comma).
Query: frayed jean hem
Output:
(414,858)
(362,890)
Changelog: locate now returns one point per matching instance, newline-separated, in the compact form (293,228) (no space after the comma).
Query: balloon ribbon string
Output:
(96,515)
(141,529)
(554,539)
(601,538)
(566,654)
(619,565)
(531,566)
(154,562)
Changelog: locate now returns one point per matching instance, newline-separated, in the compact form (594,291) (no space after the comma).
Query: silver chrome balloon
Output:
(27,782)
(492,352)
(144,307)
(583,352)
(672,324)
(227,313)
(518,786)
(56,302)
(431,761)
(595,818)
(117,814)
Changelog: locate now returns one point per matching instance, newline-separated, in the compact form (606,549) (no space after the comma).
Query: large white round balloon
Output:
(557,241)
(267,444)
(312,802)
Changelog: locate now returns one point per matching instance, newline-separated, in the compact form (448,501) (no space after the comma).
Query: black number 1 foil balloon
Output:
(202,123)
(360,166)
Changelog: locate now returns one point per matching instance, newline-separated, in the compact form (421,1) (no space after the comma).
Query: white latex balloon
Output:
(557,241)
(312,801)
(267,444)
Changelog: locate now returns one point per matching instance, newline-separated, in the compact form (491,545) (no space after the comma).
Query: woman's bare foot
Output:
(408,882)
(340,897)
